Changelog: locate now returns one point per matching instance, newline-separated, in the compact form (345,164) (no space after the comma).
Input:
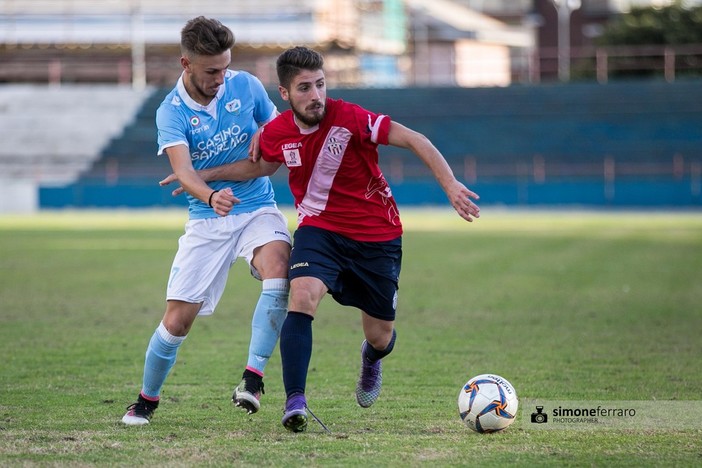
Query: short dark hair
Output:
(205,36)
(294,60)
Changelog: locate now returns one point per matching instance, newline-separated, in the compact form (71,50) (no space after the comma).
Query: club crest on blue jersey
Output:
(233,106)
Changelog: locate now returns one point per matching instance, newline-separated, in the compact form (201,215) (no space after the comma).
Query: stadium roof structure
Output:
(254,22)
(262,22)
(481,27)
(368,38)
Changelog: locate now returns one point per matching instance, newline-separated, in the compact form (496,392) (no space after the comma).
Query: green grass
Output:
(568,306)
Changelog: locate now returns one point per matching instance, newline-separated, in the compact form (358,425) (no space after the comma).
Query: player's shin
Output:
(267,322)
(296,351)
(160,358)
(372,354)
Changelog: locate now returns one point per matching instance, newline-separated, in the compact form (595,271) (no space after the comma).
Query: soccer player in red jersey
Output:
(349,237)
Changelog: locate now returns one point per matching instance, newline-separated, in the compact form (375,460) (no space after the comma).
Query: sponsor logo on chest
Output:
(291,153)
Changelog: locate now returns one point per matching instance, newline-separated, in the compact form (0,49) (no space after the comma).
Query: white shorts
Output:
(209,248)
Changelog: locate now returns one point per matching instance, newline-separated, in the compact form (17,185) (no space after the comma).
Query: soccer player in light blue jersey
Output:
(207,120)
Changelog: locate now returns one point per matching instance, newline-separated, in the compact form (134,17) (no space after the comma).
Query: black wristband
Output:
(209,201)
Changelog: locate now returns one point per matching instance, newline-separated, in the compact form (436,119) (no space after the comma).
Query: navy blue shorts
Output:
(357,274)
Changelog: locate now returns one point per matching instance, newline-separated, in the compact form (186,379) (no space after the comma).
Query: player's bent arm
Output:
(420,145)
(179,157)
(182,166)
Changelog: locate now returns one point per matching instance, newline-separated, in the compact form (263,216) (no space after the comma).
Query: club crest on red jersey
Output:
(334,146)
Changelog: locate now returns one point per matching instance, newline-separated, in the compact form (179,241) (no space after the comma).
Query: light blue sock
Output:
(267,321)
(160,358)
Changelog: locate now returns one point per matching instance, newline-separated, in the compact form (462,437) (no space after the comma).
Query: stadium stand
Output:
(52,135)
(646,121)
(561,123)
(72,139)
(131,154)
(555,134)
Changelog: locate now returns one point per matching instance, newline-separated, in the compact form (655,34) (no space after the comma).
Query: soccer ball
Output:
(487,403)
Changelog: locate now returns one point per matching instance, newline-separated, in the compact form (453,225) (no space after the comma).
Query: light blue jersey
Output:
(218,134)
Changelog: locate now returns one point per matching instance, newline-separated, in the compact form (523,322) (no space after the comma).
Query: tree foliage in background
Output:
(641,36)
(669,25)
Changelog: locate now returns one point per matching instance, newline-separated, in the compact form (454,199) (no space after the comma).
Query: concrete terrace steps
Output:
(133,151)
(52,134)
(634,121)
(577,123)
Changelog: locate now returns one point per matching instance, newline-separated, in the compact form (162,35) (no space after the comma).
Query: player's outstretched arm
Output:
(457,193)
(243,169)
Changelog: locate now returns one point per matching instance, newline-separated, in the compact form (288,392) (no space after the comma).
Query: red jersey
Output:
(334,174)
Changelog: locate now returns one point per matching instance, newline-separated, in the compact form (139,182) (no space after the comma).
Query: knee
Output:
(179,317)
(176,327)
(305,295)
(381,338)
(301,300)
(275,267)
(271,260)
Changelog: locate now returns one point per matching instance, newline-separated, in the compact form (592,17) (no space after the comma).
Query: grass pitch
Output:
(569,306)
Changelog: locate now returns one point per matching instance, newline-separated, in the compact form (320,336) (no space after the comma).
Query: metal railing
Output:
(114,64)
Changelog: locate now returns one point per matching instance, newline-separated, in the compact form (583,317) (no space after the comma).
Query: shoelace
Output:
(370,373)
(252,390)
(318,420)
(140,407)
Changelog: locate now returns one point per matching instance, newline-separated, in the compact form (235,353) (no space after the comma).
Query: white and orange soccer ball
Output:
(487,403)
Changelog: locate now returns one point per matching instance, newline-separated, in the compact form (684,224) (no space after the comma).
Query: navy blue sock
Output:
(296,351)
(373,354)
